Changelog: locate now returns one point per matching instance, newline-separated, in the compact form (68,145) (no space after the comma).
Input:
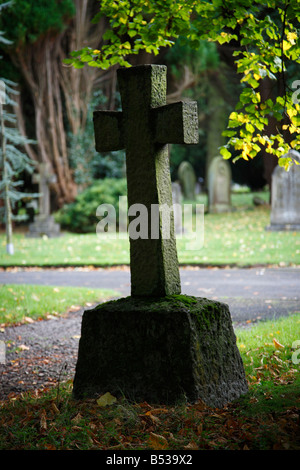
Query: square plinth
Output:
(160,350)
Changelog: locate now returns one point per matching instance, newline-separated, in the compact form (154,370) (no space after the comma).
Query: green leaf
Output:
(225,153)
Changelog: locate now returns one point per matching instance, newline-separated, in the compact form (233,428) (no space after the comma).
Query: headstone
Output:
(155,345)
(188,180)
(44,223)
(219,186)
(177,201)
(285,197)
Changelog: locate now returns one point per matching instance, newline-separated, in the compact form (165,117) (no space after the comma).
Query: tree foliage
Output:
(265,38)
(37,18)
(54,98)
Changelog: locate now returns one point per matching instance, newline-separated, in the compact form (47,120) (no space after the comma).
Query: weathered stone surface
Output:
(144,127)
(176,123)
(44,226)
(187,178)
(156,345)
(44,223)
(219,186)
(177,201)
(160,350)
(285,204)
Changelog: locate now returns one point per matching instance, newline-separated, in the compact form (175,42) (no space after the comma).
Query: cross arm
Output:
(108,127)
(176,123)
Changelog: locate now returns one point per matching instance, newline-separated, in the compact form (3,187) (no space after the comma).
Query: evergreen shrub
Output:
(80,216)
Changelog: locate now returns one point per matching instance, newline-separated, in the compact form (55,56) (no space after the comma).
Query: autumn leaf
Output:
(277,344)
(191,446)
(157,442)
(106,399)
(43,421)
(77,418)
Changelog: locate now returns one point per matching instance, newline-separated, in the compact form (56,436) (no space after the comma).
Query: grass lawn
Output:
(267,418)
(22,303)
(235,238)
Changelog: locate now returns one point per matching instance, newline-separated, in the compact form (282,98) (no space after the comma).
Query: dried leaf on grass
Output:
(106,399)
(157,442)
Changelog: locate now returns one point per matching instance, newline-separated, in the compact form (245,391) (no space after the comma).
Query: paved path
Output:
(250,293)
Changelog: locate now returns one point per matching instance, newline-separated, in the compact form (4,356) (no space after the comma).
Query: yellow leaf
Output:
(157,442)
(106,399)
(262,140)
(286,45)
(277,344)
(291,37)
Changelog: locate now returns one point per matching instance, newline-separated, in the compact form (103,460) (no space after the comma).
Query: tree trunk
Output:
(60,94)
(218,121)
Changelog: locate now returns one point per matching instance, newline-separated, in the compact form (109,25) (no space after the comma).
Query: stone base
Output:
(160,350)
(44,226)
(283,228)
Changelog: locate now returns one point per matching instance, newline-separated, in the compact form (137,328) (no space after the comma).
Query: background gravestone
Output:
(187,178)
(285,197)
(155,345)
(219,186)
(44,223)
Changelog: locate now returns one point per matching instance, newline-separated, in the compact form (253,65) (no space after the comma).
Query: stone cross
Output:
(145,127)
(43,179)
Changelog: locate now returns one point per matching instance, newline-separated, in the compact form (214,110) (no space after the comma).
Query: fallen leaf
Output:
(43,422)
(154,418)
(157,410)
(74,308)
(191,446)
(55,409)
(106,399)
(199,429)
(28,320)
(157,442)
(77,418)
(277,344)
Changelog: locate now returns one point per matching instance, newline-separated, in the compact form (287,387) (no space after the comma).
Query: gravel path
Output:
(39,354)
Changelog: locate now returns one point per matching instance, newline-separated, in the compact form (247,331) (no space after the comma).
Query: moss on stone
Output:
(160,349)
